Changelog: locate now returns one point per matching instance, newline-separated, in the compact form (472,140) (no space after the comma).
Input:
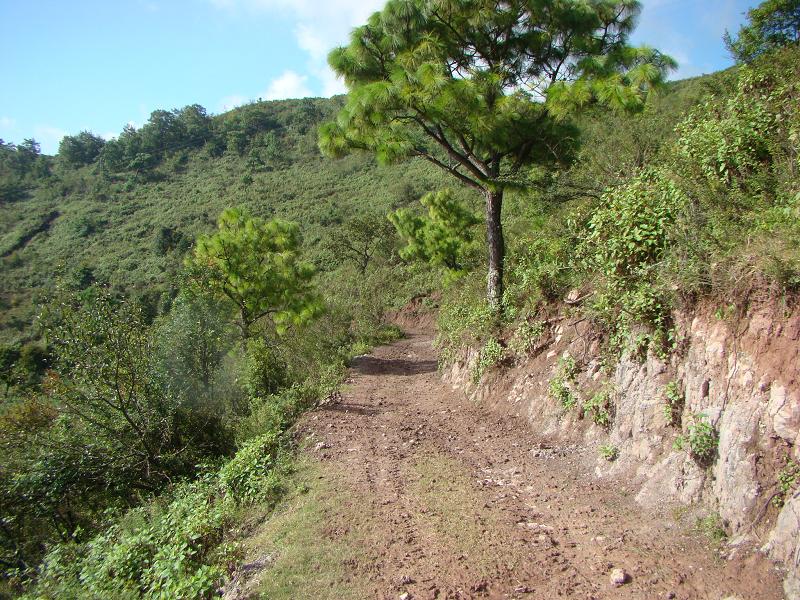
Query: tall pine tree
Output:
(480,88)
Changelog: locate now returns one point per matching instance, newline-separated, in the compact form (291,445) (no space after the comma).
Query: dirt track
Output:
(452,501)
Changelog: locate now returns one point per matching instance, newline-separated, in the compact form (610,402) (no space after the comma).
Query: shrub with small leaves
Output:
(490,355)
(700,440)
(599,409)
(609,452)
(788,482)
(561,392)
(560,385)
(673,407)
(251,475)
(526,336)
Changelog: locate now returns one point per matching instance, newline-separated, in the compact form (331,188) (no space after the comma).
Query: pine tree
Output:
(481,88)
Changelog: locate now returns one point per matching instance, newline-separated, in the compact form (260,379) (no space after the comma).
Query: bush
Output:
(673,407)
(172,547)
(464,319)
(609,452)
(251,475)
(627,238)
(561,386)
(265,368)
(489,356)
(700,440)
(599,408)
(526,336)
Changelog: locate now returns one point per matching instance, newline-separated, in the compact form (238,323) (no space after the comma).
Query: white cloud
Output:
(288,85)
(231,102)
(7,122)
(320,26)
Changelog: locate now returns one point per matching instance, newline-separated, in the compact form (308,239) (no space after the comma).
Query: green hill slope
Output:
(130,229)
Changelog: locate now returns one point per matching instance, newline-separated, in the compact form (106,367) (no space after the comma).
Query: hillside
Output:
(130,228)
(176,300)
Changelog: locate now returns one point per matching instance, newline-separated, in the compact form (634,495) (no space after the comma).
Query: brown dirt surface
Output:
(438,497)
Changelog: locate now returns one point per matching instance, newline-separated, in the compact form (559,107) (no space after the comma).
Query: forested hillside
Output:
(174,299)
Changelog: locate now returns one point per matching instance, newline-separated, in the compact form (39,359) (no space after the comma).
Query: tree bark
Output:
(497,249)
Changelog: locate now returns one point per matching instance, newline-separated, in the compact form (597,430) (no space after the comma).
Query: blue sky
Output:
(99,64)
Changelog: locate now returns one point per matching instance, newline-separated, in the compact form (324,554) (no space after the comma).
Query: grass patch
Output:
(307,560)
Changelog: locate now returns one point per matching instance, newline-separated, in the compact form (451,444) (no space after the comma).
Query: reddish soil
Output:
(458,501)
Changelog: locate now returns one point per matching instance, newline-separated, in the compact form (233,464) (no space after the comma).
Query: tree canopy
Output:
(480,89)
(772,24)
(444,238)
(257,266)
(81,149)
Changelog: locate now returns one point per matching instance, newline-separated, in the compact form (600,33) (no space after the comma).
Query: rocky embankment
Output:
(715,425)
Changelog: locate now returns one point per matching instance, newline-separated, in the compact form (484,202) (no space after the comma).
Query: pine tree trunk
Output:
(497,249)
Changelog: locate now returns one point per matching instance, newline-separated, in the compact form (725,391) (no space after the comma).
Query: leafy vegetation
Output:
(788,482)
(489,356)
(461,87)
(773,24)
(153,366)
(255,265)
(444,238)
(599,408)
(562,384)
(609,452)
(673,407)
(700,440)
(135,402)
(526,336)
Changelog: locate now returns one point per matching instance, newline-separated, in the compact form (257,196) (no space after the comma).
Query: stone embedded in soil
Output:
(619,577)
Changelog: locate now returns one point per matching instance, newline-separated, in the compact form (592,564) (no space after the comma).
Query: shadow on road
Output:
(369,365)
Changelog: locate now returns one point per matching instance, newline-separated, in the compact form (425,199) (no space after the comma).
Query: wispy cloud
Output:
(231,102)
(319,27)
(288,85)
(7,122)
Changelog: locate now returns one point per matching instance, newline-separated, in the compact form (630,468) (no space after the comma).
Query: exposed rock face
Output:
(741,374)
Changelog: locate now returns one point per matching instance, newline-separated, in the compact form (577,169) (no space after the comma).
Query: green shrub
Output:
(626,240)
(526,336)
(599,408)
(277,412)
(788,482)
(169,548)
(251,475)
(712,527)
(609,452)
(674,401)
(265,368)
(701,440)
(489,356)
(464,319)
(560,385)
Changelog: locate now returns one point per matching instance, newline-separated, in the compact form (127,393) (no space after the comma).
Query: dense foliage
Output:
(136,407)
(152,365)
(463,85)
(707,209)
(773,24)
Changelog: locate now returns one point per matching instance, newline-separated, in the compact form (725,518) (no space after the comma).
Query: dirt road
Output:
(447,500)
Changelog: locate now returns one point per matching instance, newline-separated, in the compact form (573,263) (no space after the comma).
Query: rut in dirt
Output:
(453,501)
